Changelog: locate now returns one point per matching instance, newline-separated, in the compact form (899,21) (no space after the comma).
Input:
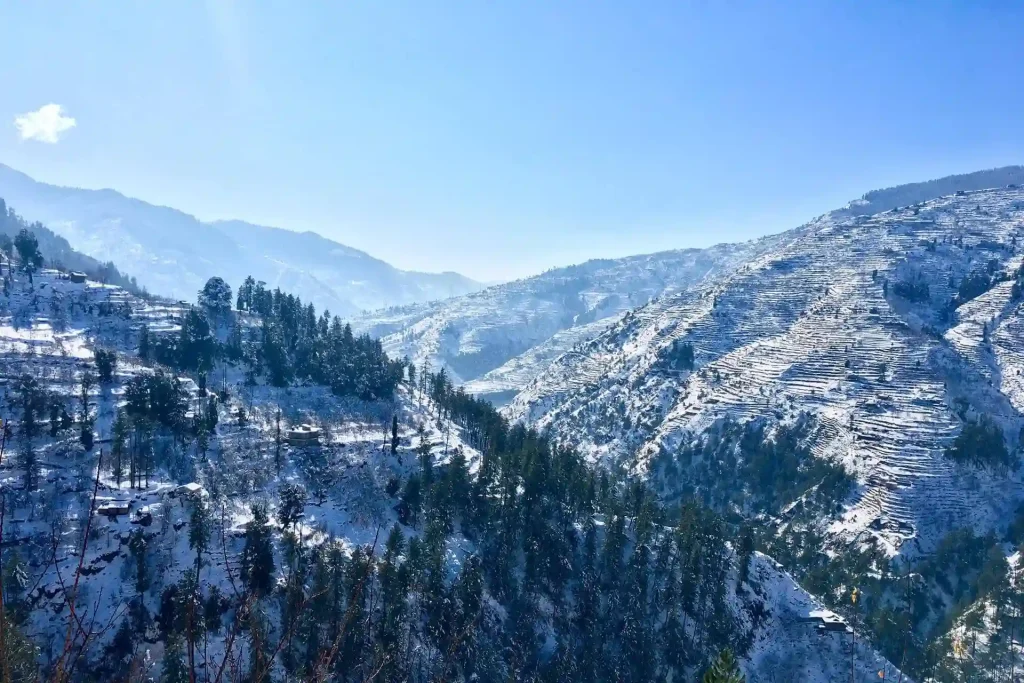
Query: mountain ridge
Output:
(485,339)
(823,324)
(173,252)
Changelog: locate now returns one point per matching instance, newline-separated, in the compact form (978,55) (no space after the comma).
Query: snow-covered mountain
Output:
(173,253)
(497,340)
(889,331)
(135,554)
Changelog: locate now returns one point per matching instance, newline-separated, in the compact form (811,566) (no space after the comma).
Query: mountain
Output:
(495,341)
(855,392)
(56,251)
(173,253)
(891,330)
(245,521)
(850,391)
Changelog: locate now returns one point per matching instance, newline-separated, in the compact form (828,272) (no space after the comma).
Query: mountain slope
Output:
(174,253)
(890,331)
(497,340)
(188,496)
(57,252)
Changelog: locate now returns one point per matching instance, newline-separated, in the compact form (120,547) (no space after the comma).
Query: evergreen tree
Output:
(199,529)
(139,547)
(257,562)
(725,669)
(394,434)
(173,665)
(215,298)
(106,364)
(245,293)
(28,251)
(196,346)
(30,398)
(54,418)
(293,502)
(144,349)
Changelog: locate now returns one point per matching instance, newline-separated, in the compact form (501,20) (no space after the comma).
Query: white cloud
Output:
(45,124)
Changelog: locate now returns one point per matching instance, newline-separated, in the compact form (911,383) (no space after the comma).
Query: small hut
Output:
(114,508)
(304,435)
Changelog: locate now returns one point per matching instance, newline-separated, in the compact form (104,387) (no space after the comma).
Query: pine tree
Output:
(144,349)
(29,398)
(394,584)
(138,546)
(293,502)
(277,440)
(28,251)
(54,419)
(258,554)
(394,434)
(725,669)
(106,364)
(215,297)
(199,529)
(174,668)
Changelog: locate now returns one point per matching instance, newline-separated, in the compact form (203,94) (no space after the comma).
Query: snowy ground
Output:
(815,325)
(46,528)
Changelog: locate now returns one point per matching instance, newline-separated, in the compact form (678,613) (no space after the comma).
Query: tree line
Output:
(560,573)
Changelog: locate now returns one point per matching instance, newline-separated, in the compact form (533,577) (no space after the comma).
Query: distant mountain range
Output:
(173,253)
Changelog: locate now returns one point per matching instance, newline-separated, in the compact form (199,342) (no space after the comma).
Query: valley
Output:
(738,440)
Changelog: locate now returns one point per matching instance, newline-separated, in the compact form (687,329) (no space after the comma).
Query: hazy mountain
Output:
(58,253)
(173,253)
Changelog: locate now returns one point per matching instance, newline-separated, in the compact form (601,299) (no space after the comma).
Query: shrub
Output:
(106,364)
(911,291)
(980,443)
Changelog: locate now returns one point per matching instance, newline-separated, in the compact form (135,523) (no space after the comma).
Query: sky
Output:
(499,139)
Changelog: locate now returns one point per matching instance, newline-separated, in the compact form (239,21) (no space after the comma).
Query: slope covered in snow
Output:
(890,331)
(173,253)
(497,340)
(129,548)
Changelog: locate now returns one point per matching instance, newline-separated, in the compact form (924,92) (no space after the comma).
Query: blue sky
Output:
(500,139)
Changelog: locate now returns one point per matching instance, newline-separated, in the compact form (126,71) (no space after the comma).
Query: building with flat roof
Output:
(304,435)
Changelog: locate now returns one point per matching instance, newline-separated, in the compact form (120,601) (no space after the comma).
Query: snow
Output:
(807,326)
(499,339)
(789,647)
(356,512)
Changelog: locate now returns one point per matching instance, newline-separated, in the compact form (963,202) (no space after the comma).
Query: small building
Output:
(114,508)
(77,277)
(826,621)
(304,435)
(192,491)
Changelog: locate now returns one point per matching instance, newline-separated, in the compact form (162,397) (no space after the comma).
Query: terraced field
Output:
(856,320)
